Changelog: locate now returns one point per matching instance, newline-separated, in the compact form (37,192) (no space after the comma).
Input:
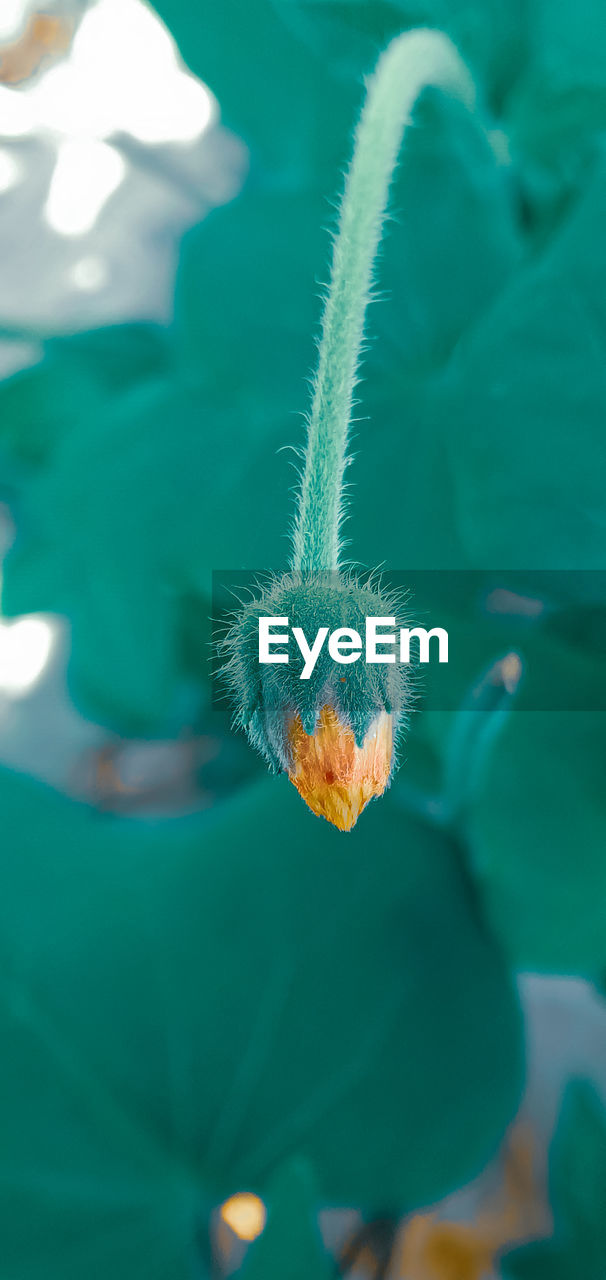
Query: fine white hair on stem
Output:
(410,63)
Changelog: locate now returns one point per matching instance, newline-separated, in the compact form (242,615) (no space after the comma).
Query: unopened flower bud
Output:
(334,732)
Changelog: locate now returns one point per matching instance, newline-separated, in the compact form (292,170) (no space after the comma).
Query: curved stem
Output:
(411,63)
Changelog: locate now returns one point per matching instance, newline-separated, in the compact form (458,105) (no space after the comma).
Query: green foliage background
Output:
(247,998)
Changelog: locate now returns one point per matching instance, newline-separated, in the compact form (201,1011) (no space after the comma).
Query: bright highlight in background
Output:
(25,647)
(245,1213)
(123,75)
(10,170)
(11,15)
(86,174)
(89,274)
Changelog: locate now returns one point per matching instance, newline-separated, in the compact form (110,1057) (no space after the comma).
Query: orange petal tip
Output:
(334,776)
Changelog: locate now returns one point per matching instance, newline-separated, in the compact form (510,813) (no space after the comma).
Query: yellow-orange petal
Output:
(335,777)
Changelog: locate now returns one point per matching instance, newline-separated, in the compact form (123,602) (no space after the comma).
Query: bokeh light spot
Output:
(245,1213)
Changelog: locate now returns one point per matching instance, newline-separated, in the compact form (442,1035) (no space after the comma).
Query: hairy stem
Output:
(411,63)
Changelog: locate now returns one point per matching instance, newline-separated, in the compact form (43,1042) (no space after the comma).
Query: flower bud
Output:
(335,732)
(335,776)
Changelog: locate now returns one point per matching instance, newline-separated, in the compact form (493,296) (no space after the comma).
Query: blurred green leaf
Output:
(349,33)
(252,271)
(76,375)
(272,91)
(141,504)
(577,1187)
(537,825)
(537,839)
(525,402)
(187,1005)
(247,302)
(291,1246)
(541,64)
(558,104)
(452,244)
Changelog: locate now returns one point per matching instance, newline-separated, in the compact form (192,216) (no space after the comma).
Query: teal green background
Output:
(244,998)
